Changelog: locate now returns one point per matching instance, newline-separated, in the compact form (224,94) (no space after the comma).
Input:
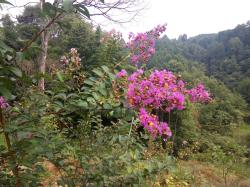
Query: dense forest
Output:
(225,55)
(81,106)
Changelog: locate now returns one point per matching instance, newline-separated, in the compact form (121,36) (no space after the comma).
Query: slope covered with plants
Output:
(225,55)
(108,113)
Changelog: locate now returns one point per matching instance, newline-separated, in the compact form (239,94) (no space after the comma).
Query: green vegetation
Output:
(73,125)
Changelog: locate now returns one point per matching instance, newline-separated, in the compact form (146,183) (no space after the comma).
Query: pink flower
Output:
(64,60)
(131,35)
(199,94)
(153,126)
(122,73)
(159,90)
(165,131)
(134,59)
(142,45)
(73,51)
(149,122)
(151,50)
(3,103)
(175,101)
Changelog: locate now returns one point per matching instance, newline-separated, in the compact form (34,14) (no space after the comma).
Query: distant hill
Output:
(225,55)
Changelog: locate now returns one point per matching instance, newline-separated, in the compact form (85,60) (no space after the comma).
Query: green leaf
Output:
(96,96)
(111,76)
(82,104)
(60,76)
(89,82)
(107,106)
(82,9)
(20,56)
(91,100)
(72,96)
(16,71)
(60,96)
(103,91)
(98,72)
(106,69)
(94,79)
(6,93)
(68,5)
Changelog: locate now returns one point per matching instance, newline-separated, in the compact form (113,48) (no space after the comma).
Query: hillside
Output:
(225,55)
(80,107)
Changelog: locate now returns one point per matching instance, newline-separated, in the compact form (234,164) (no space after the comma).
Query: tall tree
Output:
(44,45)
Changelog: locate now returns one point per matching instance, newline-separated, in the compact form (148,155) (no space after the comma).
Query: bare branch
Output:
(114,10)
(40,32)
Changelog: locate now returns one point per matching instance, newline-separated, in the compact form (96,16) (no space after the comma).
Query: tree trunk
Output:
(42,60)
(43,56)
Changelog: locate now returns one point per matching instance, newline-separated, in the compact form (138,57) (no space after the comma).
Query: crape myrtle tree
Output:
(53,13)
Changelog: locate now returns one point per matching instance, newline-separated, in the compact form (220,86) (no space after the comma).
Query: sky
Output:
(191,17)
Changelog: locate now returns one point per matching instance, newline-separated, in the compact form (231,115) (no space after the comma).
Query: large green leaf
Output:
(83,10)
(82,104)
(98,72)
(89,82)
(6,93)
(60,76)
(106,69)
(16,71)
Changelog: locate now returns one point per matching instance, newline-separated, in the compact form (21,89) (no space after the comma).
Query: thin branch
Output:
(40,32)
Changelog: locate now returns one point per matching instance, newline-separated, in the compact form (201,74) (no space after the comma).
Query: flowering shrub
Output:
(142,46)
(3,103)
(161,90)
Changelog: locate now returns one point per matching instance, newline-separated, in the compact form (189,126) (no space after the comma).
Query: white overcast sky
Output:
(192,17)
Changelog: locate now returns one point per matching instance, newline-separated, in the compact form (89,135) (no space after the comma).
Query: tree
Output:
(235,45)
(9,32)
(53,12)
(244,88)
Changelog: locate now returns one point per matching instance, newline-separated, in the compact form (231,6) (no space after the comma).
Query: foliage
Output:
(225,55)
(93,121)
(73,127)
(9,72)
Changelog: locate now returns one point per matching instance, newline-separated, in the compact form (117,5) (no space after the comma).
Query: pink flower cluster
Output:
(152,124)
(161,90)
(199,94)
(3,103)
(142,46)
